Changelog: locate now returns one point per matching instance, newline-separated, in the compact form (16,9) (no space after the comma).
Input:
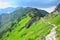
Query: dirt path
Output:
(52,34)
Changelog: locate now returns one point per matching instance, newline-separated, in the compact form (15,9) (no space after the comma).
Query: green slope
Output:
(37,30)
(8,20)
(55,19)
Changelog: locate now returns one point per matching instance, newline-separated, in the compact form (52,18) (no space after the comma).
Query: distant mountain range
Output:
(7,10)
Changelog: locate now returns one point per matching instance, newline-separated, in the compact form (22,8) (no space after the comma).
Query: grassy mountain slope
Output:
(54,18)
(8,20)
(37,30)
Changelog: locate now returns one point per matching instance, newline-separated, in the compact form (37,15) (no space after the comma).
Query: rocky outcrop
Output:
(31,21)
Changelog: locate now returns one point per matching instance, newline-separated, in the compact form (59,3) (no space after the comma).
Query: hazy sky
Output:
(42,4)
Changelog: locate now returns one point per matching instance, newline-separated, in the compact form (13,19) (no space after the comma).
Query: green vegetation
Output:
(14,27)
(55,19)
(58,32)
(36,30)
(8,20)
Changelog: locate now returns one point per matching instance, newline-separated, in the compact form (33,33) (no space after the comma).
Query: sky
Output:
(48,5)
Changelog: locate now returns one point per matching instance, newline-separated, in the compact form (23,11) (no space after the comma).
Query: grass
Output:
(55,19)
(35,32)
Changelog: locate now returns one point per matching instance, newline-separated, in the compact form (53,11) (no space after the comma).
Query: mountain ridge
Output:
(9,20)
(33,24)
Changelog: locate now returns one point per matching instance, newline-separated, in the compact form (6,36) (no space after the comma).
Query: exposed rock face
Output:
(58,8)
(31,22)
